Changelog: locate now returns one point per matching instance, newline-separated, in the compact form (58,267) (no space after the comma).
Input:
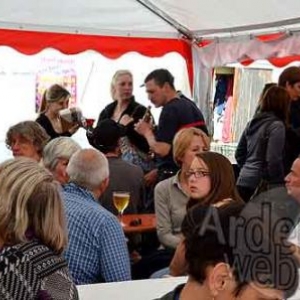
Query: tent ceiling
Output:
(116,17)
(130,17)
(221,27)
(214,16)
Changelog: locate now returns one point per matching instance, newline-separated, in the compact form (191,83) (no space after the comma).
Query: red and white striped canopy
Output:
(153,27)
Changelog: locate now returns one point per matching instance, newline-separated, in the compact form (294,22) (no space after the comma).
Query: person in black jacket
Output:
(290,80)
(126,111)
(260,151)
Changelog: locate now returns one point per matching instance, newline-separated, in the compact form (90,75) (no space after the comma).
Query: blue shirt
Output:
(97,249)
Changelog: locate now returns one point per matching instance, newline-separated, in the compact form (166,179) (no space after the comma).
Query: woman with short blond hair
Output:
(32,234)
(183,139)
(171,195)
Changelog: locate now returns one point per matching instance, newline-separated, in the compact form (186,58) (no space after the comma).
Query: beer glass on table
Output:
(121,201)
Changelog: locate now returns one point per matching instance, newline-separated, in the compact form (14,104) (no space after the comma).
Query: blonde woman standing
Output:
(32,234)
(126,111)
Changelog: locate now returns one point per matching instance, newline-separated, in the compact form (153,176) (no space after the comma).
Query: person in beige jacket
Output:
(171,195)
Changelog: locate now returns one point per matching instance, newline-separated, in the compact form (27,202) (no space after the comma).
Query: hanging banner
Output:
(60,71)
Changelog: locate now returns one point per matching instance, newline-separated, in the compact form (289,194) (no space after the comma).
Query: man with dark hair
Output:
(123,176)
(290,80)
(226,260)
(161,76)
(177,112)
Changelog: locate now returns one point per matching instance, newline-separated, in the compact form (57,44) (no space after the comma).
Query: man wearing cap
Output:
(177,112)
(123,176)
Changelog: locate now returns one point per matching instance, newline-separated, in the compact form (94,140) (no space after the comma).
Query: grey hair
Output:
(61,147)
(31,131)
(88,168)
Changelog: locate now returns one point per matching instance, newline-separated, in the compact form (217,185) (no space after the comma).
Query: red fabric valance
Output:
(32,42)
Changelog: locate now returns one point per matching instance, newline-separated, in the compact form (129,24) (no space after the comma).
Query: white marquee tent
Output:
(191,21)
(206,33)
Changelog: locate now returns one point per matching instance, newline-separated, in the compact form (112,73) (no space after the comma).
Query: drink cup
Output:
(121,201)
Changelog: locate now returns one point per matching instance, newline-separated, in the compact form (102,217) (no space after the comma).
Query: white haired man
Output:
(292,183)
(97,250)
(292,180)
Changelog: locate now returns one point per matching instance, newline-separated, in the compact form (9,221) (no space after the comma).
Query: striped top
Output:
(31,270)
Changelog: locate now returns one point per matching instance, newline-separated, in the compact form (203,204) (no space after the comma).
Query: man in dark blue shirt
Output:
(177,112)
(290,80)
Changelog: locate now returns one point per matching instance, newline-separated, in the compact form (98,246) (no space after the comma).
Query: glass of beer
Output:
(121,201)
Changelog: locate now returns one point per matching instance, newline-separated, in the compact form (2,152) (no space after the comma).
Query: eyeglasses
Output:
(197,174)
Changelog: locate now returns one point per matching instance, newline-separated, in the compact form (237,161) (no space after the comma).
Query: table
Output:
(148,289)
(147,223)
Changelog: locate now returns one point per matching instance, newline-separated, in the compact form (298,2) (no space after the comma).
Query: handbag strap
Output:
(264,149)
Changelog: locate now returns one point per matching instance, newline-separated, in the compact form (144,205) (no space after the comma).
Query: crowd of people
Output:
(58,224)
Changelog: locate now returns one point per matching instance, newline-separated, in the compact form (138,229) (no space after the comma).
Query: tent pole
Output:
(172,22)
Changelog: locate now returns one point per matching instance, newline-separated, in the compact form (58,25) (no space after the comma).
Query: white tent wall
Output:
(18,79)
(222,53)
(202,85)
